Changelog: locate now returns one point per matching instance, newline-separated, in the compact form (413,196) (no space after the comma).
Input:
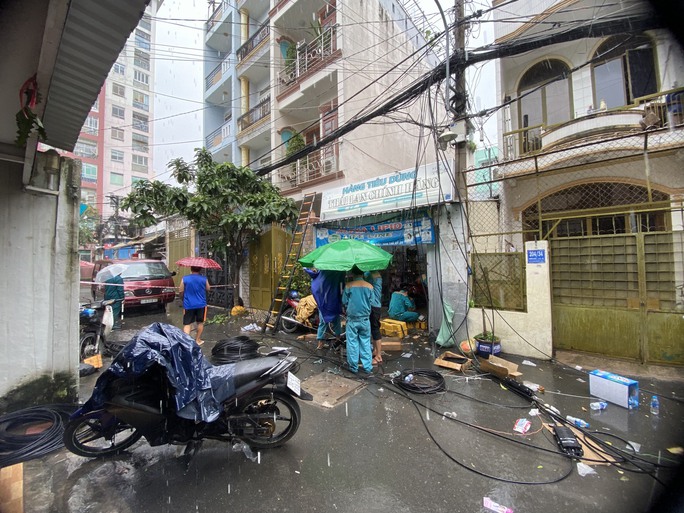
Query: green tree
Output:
(229,202)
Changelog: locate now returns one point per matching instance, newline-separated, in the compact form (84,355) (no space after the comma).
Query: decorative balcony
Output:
(217,15)
(664,109)
(254,41)
(317,164)
(255,114)
(219,137)
(310,57)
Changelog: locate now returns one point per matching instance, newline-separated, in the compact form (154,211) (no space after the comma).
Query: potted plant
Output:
(487,344)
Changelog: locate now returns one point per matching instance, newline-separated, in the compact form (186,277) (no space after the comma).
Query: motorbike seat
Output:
(249,370)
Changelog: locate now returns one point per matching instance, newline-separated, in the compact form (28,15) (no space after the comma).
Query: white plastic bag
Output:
(108,319)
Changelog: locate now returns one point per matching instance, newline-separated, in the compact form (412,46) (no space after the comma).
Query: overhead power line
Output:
(462,59)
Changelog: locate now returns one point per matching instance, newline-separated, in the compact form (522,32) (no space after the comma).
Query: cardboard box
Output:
(499,367)
(453,361)
(391,344)
(616,389)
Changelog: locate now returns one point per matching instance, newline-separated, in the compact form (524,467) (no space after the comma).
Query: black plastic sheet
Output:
(199,388)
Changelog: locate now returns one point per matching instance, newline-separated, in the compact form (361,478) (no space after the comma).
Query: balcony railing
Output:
(253,42)
(664,109)
(219,136)
(217,15)
(260,111)
(309,55)
(317,164)
(214,77)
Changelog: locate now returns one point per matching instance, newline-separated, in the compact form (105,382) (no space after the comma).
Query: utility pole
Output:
(114,203)
(458,101)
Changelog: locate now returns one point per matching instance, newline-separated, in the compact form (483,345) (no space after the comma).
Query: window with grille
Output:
(119,68)
(141,79)
(140,122)
(141,100)
(140,143)
(91,125)
(139,163)
(87,149)
(118,112)
(141,60)
(499,281)
(117,134)
(142,39)
(145,22)
(118,89)
(117,156)
(136,179)
(89,172)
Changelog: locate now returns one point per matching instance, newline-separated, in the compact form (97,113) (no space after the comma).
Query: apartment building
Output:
(590,181)
(114,143)
(287,73)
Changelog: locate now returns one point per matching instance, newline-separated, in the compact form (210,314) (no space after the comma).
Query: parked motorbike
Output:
(92,330)
(288,320)
(162,388)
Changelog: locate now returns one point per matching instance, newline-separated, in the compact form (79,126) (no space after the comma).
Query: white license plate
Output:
(147,301)
(294,383)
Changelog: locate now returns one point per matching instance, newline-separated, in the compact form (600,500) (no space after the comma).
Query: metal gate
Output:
(266,258)
(620,295)
(221,293)
(180,246)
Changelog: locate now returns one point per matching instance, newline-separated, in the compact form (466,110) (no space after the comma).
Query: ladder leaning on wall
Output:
(294,252)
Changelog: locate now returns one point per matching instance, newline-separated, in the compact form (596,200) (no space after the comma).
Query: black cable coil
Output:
(421,381)
(17,446)
(234,349)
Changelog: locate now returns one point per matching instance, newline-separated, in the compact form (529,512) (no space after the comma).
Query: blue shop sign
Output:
(536,256)
(391,233)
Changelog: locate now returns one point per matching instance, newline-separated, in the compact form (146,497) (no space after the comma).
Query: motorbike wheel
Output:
(88,437)
(88,345)
(288,326)
(281,420)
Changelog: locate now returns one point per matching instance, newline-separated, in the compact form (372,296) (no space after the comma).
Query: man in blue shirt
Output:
(193,293)
(356,298)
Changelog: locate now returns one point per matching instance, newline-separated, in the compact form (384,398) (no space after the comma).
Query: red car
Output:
(146,282)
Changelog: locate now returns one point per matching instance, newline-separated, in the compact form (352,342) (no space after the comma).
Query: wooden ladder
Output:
(285,280)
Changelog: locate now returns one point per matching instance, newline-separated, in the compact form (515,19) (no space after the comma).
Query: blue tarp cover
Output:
(199,387)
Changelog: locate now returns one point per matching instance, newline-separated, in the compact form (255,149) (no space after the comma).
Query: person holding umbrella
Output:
(357,298)
(114,289)
(193,293)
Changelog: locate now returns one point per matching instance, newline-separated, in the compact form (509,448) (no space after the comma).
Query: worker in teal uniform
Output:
(402,307)
(357,298)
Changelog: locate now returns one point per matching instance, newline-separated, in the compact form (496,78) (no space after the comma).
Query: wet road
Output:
(380,451)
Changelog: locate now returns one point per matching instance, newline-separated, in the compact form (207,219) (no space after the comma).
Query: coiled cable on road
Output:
(234,349)
(421,381)
(18,445)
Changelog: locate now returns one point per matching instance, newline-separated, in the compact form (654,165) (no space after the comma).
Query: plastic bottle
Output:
(598,405)
(655,405)
(577,422)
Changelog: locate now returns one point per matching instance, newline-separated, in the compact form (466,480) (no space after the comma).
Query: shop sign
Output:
(392,233)
(394,191)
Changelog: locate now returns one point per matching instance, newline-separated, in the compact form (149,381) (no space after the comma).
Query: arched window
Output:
(625,70)
(547,105)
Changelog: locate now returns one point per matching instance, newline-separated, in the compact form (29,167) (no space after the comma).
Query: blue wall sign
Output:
(536,256)
(391,233)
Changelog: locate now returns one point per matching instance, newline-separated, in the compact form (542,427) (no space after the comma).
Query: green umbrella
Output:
(344,254)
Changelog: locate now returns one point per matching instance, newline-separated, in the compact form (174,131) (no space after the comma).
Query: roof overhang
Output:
(70,46)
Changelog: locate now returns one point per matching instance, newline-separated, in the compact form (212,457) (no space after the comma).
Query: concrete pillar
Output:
(539,329)
(244,154)
(244,26)
(244,95)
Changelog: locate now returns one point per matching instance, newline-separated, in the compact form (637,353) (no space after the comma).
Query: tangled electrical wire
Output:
(234,349)
(421,381)
(17,444)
